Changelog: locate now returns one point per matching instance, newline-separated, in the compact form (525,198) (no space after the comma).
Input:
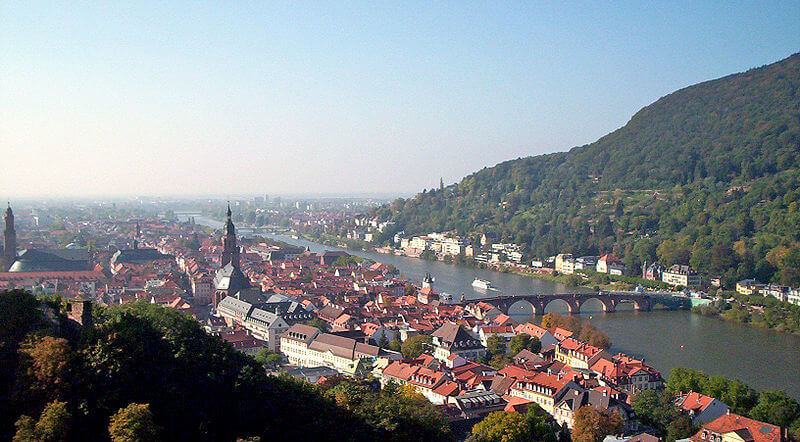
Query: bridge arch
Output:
(523,307)
(573,306)
(607,304)
(642,304)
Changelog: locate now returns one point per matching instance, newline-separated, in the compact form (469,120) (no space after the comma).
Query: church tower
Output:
(9,240)
(230,251)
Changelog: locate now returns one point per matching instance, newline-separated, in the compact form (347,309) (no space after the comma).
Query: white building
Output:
(680,275)
(306,346)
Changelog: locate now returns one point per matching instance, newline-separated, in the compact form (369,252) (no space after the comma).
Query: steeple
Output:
(136,238)
(9,240)
(230,251)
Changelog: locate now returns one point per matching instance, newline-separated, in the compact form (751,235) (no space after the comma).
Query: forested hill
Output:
(707,170)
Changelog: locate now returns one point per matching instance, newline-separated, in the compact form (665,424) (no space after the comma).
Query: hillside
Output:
(707,176)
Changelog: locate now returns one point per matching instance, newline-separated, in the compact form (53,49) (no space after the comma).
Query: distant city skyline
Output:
(149,98)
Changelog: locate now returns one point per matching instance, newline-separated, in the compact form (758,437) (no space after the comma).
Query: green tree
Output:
(524,341)
(133,423)
(415,346)
(777,408)
(269,358)
(502,426)
(495,345)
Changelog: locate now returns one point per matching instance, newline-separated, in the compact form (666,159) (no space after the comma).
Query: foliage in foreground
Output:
(143,370)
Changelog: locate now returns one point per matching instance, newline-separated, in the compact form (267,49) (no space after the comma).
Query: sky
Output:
(232,97)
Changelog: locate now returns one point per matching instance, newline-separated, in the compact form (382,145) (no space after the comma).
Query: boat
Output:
(482,284)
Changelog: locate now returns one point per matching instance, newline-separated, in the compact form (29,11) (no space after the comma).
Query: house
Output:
(680,275)
(585,263)
(451,338)
(577,354)
(565,263)
(541,388)
(544,336)
(571,399)
(652,272)
(506,333)
(748,286)
(701,408)
(477,403)
(627,374)
(734,428)
(610,264)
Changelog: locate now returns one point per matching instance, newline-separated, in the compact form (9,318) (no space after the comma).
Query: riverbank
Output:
(760,311)
(587,279)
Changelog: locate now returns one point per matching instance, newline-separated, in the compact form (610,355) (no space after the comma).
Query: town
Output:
(318,316)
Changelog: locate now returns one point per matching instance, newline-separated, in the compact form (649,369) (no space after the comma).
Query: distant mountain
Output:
(706,176)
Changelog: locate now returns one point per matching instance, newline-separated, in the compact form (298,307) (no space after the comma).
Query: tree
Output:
(269,358)
(133,423)
(47,360)
(775,407)
(680,428)
(53,424)
(320,324)
(415,346)
(593,425)
(502,426)
(524,341)
(495,345)
(396,344)
(684,380)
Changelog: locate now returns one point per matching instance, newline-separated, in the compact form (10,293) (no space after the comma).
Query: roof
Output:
(51,260)
(231,278)
(747,429)
(138,256)
(694,401)
(451,334)
(301,332)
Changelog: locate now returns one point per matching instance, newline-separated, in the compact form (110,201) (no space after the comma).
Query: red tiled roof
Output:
(745,428)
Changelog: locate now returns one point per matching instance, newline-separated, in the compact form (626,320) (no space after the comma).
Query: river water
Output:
(763,359)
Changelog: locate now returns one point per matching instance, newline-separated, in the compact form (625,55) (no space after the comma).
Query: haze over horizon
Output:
(146,98)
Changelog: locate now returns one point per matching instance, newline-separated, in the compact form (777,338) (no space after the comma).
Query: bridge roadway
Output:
(525,303)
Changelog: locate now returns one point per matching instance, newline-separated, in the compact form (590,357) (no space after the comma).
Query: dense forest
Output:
(144,372)
(706,176)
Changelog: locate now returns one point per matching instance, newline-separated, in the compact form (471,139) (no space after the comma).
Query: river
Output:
(764,359)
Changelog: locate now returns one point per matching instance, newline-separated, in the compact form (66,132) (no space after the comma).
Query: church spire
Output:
(9,240)
(230,251)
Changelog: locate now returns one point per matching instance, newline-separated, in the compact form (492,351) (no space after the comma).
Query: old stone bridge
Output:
(536,304)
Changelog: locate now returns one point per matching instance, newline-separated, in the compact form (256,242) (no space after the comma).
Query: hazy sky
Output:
(234,97)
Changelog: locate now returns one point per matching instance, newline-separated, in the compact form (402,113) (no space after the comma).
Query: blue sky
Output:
(340,97)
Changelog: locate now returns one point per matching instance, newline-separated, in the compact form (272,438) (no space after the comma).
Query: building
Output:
(9,254)
(701,408)
(794,297)
(749,286)
(306,346)
(734,428)
(680,275)
(452,339)
(570,400)
(627,374)
(652,272)
(610,264)
(577,354)
(565,263)
(229,279)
